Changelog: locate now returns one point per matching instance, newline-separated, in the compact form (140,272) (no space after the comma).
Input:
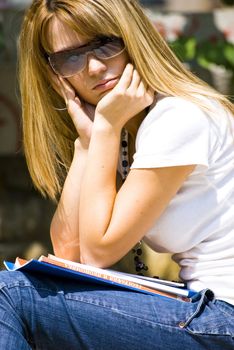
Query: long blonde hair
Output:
(49,133)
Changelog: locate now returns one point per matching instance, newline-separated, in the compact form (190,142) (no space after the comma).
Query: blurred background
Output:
(201,32)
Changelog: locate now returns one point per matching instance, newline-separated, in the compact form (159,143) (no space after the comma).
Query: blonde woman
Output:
(103,96)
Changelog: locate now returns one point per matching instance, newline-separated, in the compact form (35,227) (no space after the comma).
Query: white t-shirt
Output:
(198,225)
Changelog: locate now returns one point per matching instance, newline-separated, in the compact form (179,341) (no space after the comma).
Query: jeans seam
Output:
(126,315)
(225,312)
(5,286)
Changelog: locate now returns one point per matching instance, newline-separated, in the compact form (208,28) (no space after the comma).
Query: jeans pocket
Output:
(207,318)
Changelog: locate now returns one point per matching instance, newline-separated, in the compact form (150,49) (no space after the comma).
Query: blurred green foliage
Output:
(205,52)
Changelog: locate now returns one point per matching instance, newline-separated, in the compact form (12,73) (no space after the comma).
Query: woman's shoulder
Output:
(164,103)
(173,110)
(166,109)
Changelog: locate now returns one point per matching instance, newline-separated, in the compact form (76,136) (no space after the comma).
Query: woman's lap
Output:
(63,314)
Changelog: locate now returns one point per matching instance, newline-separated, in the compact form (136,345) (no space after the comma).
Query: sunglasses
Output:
(70,62)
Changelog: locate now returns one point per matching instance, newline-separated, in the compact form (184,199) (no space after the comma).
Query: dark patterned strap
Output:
(124,156)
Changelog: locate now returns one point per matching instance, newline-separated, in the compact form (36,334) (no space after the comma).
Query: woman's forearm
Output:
(100,185)
(64,228)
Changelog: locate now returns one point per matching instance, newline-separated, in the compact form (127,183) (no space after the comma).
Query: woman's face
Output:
(99,76)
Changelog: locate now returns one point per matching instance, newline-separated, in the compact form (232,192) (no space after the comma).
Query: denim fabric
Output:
(40,312)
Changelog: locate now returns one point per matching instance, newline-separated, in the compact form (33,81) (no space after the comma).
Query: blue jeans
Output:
(40,312)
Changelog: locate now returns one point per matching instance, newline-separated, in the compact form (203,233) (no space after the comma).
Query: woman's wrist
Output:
(101,124)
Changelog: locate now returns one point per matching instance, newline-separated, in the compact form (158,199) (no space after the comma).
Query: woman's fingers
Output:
(62,87)
(67,90)
(82,116)
(141,89)
(131,82)
(55,83)
(126,78)
(136,80)
(80,113)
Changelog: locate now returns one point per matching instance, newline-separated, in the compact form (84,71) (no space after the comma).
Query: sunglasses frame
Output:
(87,49)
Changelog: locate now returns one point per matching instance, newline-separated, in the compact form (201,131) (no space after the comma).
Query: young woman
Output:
(102,92)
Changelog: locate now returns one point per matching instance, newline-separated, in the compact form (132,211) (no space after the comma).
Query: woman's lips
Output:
(106,84)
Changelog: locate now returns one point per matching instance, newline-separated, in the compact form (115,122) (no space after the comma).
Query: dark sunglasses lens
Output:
(67,64)
(72,62)
(109,49)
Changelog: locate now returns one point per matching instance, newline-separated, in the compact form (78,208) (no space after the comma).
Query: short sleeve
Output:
(175,132)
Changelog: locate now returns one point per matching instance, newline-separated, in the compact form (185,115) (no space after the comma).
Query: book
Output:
(178,284)
(55,266)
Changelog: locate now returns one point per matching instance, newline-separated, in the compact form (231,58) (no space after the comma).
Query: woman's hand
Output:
(128,98)
(82,113)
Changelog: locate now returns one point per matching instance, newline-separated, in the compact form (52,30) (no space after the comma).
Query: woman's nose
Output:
(95,65)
